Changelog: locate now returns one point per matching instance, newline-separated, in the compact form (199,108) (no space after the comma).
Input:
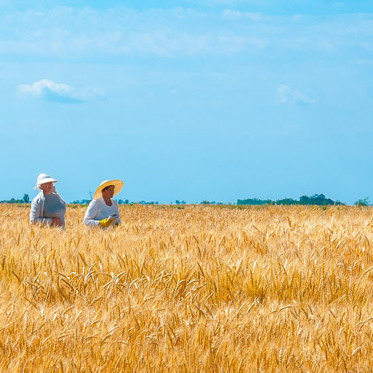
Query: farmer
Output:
(103,210)
(47,207)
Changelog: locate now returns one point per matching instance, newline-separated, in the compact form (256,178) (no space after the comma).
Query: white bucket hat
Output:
(42,179)
(118,185)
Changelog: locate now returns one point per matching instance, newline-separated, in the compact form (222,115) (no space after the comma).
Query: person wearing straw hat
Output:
(47,207)
(103,210)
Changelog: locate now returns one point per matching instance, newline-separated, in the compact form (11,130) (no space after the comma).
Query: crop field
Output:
(189,289)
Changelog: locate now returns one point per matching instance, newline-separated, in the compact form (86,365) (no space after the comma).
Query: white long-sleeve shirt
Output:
(98,210)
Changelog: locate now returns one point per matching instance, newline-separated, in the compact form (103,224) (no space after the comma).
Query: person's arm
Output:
(35,213)
(91,213)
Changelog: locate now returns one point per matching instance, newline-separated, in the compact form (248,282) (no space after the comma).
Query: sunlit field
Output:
(194,289)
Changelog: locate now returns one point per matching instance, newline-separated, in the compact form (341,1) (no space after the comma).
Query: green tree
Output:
(362,202)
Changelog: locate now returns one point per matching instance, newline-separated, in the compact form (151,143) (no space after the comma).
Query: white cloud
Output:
(286,95)
(57,92)
(70,33)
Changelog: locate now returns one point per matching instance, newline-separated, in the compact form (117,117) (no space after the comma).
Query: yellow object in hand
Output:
(106,222)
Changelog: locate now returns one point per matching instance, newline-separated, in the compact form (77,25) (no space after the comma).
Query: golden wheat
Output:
(194,289)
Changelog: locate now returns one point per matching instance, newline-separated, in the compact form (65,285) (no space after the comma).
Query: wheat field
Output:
(189,289)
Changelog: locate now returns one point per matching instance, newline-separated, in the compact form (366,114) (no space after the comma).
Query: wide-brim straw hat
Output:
(42,179)
(118,185)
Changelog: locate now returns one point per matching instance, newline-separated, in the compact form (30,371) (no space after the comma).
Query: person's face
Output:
(47,188)
(108,192)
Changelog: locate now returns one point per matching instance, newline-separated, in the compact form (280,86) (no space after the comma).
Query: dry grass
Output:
(199,289)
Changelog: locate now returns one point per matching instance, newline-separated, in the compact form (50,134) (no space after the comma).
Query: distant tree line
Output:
(362,202)
(81,202)
(316,199)
(119,201)
(25,199)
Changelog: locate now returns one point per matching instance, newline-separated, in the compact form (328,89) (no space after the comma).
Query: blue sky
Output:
(189,100)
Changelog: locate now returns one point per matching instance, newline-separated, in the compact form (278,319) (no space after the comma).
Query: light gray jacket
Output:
(37,210)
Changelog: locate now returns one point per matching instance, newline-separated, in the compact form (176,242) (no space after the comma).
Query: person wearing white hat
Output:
(103,210)
(47,207)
